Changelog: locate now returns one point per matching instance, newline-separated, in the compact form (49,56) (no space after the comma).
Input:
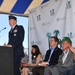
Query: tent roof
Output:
(19,7)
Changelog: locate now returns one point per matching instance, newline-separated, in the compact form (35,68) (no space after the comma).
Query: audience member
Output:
(71,71)
(51,57)
(66,60)
(36,59)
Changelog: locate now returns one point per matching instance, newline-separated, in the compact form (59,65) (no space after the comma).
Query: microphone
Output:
(3,29)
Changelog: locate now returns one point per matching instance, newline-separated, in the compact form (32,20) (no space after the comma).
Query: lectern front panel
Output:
(6,61)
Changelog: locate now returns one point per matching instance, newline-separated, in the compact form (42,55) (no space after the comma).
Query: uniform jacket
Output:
(16,37)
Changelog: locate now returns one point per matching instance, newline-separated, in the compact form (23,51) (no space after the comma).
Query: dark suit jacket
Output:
(55,56)
(16,38)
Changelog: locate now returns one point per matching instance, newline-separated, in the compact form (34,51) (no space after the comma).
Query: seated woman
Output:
(36,58)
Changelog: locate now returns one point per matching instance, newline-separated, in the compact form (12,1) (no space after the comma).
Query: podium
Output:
(6,61)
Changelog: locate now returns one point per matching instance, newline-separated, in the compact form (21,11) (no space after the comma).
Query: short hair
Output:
(55,39)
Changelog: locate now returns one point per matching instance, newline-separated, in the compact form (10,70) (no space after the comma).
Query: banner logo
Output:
(56,33)
(32,28)
(52,12)
(68,5)
(60,19)
(38,17)
(45,24)
(48,36)
(43,6)
(32,43)
(56,0)
(70,35)
(39,42)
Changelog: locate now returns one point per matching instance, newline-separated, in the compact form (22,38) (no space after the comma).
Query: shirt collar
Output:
(52,48)
(13,26)
(66,51)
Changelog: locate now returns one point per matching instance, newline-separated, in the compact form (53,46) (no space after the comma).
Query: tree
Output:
(56,32)
(49,36)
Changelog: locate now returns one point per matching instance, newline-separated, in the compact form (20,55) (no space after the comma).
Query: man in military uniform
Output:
(16,37)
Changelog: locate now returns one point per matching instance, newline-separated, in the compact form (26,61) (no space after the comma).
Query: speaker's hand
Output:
(6,45)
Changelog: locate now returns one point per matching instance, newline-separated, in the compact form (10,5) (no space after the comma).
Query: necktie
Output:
(11,30)
(52,49)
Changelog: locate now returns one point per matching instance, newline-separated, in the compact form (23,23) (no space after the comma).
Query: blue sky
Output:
(4,22)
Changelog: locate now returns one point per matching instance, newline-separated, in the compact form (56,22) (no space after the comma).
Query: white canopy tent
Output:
(19,7)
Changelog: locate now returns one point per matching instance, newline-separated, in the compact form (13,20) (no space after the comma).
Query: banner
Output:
(53,18)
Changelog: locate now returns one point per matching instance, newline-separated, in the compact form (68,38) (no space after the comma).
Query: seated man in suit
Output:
(51,57)
(66,60)
(71,71)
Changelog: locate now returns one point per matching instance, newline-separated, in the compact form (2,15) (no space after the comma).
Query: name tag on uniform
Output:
(14,34)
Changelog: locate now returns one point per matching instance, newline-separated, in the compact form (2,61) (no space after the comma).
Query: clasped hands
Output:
(44,64)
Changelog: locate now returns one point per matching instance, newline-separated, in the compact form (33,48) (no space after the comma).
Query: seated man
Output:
(51,57)
(72,71)
(66,60)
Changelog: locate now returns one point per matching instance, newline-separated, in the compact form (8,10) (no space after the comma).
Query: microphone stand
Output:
(2,29)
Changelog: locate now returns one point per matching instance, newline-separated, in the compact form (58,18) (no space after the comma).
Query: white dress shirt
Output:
(65,56)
